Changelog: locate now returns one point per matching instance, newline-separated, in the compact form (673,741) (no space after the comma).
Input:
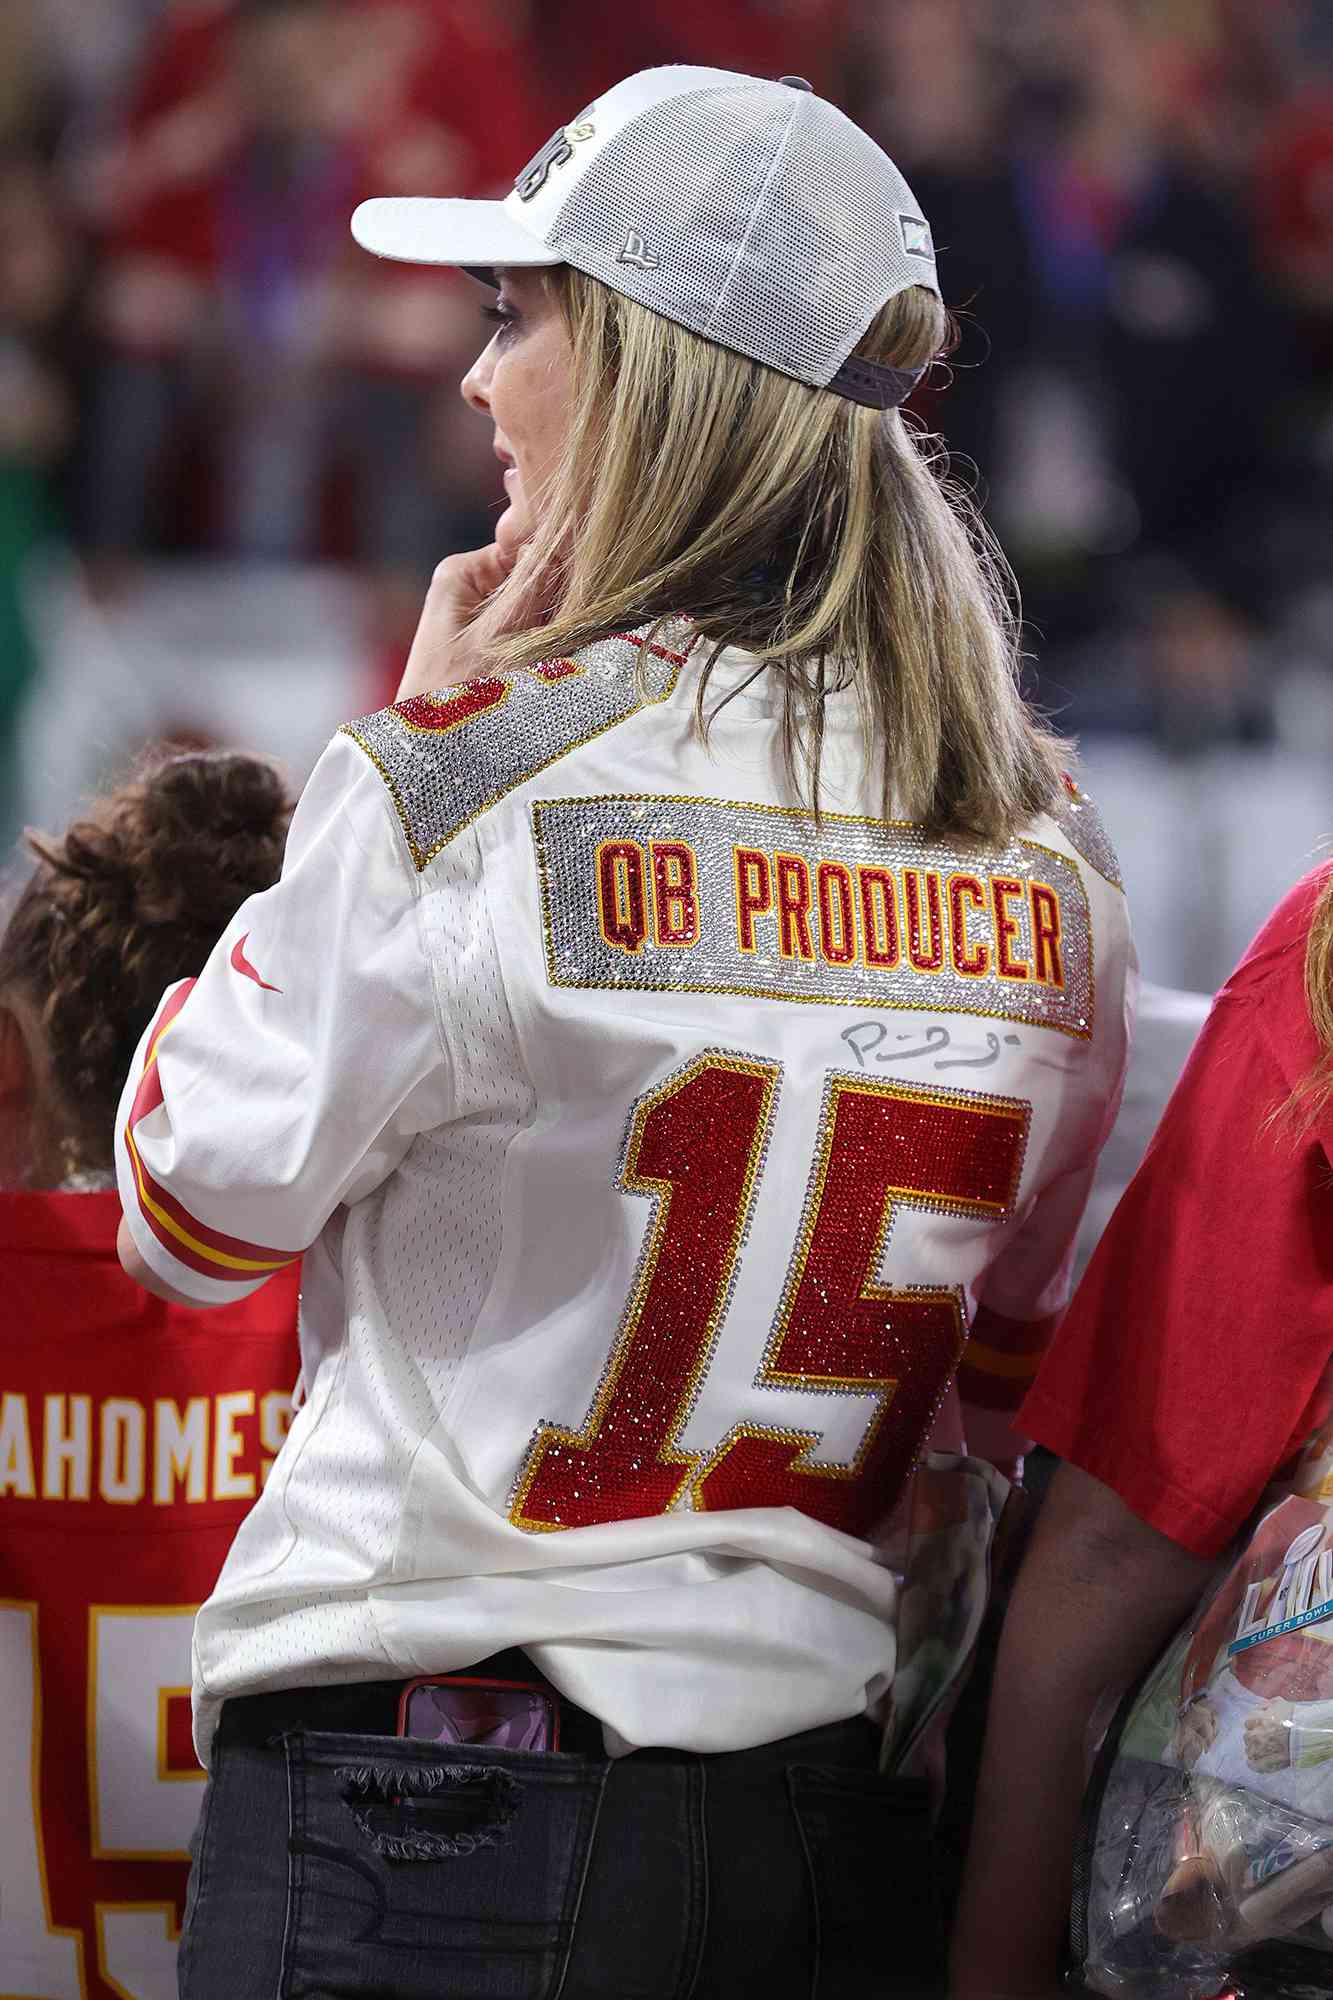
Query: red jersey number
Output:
(696,1148)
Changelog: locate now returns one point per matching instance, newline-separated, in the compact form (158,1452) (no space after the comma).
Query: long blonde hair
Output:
(1314,1090)
(819,535)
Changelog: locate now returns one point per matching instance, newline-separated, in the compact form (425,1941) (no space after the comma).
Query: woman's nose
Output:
(475,387)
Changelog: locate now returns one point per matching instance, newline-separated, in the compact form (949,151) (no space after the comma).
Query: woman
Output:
(1195,1367)
(662,1036)
(132,1436)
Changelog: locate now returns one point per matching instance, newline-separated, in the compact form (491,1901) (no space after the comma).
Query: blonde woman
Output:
(683,1018)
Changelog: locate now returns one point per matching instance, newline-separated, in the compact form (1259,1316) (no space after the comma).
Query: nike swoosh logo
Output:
(242,964)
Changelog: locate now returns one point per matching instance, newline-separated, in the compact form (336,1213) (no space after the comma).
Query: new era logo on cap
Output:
(636,251)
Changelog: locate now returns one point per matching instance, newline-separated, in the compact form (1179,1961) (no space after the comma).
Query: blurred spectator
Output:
(584,48)
(1129,419)
(264,390)
(1133,203)
(1295,200)
(62,61)
(23,70)
(39,373)
(1294,213)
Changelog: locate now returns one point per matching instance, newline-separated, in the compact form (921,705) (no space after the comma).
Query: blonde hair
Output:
(814,533)
(1314,1090)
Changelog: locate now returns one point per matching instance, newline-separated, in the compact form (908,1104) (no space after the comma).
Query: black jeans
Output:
(336,1861)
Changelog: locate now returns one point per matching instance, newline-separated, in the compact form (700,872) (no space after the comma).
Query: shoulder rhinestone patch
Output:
(1084,828)
(446,758)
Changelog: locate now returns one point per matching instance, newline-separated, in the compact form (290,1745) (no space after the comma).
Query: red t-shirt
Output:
(133,1438)
(1196,1359)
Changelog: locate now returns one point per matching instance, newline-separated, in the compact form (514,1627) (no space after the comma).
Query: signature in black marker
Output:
(867,1039)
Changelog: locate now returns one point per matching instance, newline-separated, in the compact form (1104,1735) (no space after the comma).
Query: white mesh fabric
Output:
(775,223)
(427,1243)
(419,1255)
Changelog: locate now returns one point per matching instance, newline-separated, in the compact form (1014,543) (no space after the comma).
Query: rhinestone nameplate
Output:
(709,896)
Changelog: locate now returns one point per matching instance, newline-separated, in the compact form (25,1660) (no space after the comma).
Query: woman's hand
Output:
(444,653)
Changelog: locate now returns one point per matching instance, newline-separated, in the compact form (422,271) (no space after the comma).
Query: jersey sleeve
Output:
(1023,1295)
(1019,1308)
(1185,1372)
(292,1073)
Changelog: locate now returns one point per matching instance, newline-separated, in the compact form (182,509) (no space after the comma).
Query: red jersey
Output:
(134,1436)
(1196,1360)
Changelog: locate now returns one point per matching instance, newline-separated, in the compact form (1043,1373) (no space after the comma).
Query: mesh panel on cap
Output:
(774,222)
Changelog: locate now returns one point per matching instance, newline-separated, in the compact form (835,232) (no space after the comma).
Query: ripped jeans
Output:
(336,1861)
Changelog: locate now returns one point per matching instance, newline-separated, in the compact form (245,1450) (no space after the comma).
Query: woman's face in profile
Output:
(522,381)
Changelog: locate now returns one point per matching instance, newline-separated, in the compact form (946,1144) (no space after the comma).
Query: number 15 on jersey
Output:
(696,1149)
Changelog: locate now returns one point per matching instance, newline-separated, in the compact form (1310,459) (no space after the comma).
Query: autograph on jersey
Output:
(866,1039)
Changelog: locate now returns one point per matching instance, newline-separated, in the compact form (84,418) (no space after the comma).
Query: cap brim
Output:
(418,229)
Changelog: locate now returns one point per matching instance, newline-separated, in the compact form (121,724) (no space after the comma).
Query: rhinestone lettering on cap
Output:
(557,152)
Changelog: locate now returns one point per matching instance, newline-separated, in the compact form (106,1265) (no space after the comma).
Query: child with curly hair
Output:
(132,1436)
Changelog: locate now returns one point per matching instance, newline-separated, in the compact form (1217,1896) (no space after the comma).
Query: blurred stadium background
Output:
(231,447)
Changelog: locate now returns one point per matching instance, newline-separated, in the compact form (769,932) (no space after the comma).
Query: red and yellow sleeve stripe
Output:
(1001,1358)
(207,1251)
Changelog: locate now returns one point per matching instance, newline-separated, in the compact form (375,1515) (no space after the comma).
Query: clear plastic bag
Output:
(1207,1861)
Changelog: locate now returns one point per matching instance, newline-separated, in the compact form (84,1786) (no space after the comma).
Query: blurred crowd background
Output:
(232,448)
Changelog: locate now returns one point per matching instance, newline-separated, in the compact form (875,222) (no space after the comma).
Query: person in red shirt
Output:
(252,370)
(133,1437)
(1194,1370)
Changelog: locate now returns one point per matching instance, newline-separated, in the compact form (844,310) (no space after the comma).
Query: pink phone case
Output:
(461,1708)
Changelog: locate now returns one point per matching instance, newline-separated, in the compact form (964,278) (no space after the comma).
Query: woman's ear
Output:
(16,1102)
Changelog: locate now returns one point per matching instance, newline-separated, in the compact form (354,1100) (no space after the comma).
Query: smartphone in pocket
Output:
(496,1715)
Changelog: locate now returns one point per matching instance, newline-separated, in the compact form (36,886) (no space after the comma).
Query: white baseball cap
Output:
(754,213)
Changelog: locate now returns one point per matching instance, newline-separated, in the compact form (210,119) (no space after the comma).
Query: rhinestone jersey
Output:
(447,757)
(1084,828)
(709,896)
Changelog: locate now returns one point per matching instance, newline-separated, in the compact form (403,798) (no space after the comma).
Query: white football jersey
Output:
(655,1146)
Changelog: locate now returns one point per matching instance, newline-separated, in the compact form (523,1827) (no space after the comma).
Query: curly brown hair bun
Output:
(135,896)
